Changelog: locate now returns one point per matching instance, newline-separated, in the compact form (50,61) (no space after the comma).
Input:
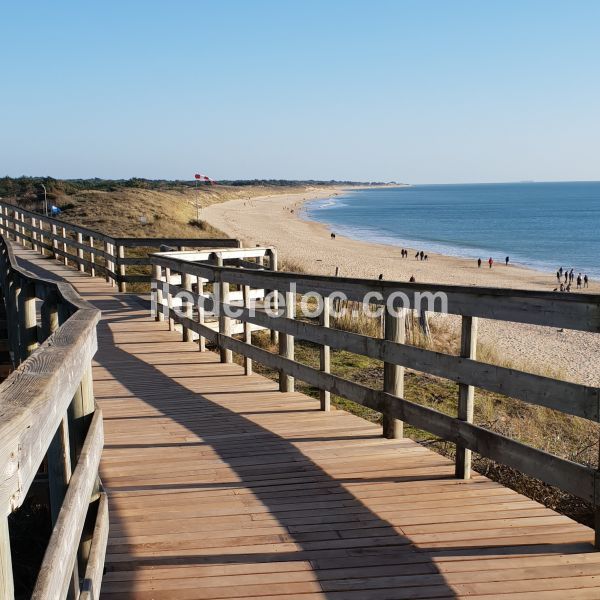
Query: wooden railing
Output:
(572,311)
(89,250)
(51,431)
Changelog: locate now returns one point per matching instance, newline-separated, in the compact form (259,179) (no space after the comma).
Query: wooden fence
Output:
(90,250)
(572,311)
(51,433)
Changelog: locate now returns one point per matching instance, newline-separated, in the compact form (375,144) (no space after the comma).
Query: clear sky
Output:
(416,91)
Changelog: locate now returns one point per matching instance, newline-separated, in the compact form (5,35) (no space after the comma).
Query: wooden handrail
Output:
(49,236)
(540,308)
(48,415)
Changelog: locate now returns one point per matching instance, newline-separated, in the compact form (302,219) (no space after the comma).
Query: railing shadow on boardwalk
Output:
(384,551)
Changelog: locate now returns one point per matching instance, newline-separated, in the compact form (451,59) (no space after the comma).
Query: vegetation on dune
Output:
(136,207)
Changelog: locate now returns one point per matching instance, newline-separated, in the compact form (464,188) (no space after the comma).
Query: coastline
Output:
(300,239)
(277,221)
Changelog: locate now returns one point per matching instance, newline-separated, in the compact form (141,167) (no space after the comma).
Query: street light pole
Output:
(45,200)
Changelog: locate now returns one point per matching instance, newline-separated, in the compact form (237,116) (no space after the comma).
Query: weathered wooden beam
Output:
(224,321)
(92,257)
(571,398)
(286,344)
(571,311)
(65,246)
(393,374)
(92,582)
(466,393)
(273,266)
(81,266)
(325,352)
(7,588)
(59,559)
(121,255)
(201,313)
(59,468)
(247,331)
(187,306)
(27,318)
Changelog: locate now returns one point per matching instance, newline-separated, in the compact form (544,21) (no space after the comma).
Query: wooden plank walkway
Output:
(220,486)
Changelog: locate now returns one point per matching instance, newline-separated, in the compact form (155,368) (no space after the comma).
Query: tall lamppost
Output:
(45,199)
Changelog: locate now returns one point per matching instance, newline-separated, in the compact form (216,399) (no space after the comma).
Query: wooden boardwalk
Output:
(220,486)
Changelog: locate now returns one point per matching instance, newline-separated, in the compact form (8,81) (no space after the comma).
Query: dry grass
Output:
(137,212)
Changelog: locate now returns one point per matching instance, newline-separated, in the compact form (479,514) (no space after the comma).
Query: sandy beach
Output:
(278,221)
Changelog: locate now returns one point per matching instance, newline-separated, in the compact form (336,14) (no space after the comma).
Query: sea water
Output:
(539,225)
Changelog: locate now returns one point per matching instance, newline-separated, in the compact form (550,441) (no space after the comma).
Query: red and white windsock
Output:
(204,178)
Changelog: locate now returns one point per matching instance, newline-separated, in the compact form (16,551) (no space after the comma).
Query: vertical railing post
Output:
(393,375)
(65,246)
(466,393)
(169,299)
(325,352)
(59,455)
(27,319)
(17,227)
(34,234)
(54,241)
(201,339)
(286,344)
(12,299)
(80,264)
(224,320)
(158,294)
(120,257)
(92,257)
(106,261)
(42,237)
(247,329)
(187,307)
(7,588)
(11,224)
(273,266)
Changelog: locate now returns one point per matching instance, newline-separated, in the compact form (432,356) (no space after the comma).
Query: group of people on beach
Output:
(569,277)
(420,255)
(491,262)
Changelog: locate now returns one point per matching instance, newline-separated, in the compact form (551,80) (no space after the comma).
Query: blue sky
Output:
(415,91)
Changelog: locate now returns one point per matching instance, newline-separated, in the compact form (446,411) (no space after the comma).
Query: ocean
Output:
(539,225)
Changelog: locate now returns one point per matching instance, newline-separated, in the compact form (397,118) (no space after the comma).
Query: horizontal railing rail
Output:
(572,311)
(89,250)
(51,423)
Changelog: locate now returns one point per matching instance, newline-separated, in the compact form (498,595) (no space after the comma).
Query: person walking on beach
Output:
(421,254)
(558,276)
(560,271)
(585,281)
(566,276)
(479,263)
(579,281)
(490,261)
(571,276)
(507,259)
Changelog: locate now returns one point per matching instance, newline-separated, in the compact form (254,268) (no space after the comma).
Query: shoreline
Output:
(276,220)
(293,228)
